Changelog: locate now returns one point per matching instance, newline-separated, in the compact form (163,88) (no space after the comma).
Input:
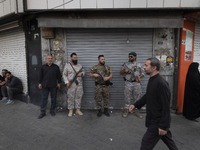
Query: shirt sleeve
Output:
(141,102)
(65,74)
(164,122)
(41,75)
(59,76)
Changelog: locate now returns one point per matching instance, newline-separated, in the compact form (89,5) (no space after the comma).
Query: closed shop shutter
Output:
(13,55)
(197,44)
(114,44)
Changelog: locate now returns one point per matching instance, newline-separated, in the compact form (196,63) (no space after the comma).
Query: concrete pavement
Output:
(21,130)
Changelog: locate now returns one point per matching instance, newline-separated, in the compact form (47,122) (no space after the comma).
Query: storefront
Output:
(13,53)
(114,38)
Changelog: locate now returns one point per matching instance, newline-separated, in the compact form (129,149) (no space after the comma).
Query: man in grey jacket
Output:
(72,76)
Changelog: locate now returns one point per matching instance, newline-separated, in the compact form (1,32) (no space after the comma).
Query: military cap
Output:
(133,53)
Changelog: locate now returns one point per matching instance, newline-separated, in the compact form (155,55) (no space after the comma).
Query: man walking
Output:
(12,87)
(102,74)
(72,75)
(49,81)
(157,100)
(132,72)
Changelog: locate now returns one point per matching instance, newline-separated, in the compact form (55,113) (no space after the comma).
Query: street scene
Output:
(99,74)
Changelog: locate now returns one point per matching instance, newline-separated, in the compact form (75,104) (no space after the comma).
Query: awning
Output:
(53,22)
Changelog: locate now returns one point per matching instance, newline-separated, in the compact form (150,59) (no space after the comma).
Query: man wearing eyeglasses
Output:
(132,73)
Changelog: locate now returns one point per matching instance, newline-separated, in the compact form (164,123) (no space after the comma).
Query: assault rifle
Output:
(75,78)
(133,72)
(102,80)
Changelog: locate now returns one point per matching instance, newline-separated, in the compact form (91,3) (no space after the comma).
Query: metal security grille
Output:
(12,54)
(114,44)
(197,44)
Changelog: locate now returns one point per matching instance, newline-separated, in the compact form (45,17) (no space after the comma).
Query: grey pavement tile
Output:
(21,130)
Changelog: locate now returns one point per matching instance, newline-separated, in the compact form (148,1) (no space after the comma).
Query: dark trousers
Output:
(0,93)
(151,138)
(45,94)
(9,92)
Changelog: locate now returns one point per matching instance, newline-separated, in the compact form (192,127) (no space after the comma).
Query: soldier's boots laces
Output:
(137,114)
(106,112)
(125,113)
(70,113)
(99,113)
(78,112)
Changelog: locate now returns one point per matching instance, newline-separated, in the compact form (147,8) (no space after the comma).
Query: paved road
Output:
(21,130)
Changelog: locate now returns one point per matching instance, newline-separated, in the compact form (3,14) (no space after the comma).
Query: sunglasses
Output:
(130,56)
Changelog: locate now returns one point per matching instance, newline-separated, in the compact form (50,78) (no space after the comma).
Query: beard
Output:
(102,63)
(75,62)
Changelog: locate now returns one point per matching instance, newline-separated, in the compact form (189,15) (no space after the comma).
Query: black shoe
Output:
(99,113)
(41,116)
(52,113)
(106,112)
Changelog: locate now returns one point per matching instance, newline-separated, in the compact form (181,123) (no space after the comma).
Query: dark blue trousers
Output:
(45,94)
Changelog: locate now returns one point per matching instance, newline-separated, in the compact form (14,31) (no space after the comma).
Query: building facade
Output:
(93,27)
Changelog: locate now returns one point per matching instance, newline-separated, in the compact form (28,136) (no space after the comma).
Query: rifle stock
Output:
(74,79)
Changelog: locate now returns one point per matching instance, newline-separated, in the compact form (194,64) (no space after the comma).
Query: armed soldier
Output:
(102,74)
(72,76)
(132,72)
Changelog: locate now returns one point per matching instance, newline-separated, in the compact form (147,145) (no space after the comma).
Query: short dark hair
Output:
(100,56)
(8,72)
(5,70)
(73,54)
(155,63)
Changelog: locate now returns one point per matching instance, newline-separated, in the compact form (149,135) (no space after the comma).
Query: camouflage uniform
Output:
(75,92)
(133,90)
(102,91)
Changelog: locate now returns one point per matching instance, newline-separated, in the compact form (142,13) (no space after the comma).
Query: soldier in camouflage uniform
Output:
(72,76)
(102,74)
(132,72)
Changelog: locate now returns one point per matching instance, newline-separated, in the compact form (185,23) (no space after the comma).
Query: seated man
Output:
(2,80)
(12,87)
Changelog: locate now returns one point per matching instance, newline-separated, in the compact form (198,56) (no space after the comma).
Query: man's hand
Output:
(137,79)
(161,131)
(58,85)
(40,86)
(131,108)
(95,75)
(80,74)
(105,78)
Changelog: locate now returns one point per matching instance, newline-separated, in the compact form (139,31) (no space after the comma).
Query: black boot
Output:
(99,113)
(106,112)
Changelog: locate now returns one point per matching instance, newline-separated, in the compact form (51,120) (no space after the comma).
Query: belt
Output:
(129,80)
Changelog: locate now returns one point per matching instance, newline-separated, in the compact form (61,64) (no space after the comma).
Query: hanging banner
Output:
(188,45)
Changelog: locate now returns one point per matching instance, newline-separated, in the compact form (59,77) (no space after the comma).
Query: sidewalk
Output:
(21,130)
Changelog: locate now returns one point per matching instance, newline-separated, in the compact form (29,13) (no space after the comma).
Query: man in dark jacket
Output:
(12,87)
(2,80)
(49,81)
(157,100)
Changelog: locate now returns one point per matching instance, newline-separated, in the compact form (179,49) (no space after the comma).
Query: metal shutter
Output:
(13,55)
(197,44)
(114,44)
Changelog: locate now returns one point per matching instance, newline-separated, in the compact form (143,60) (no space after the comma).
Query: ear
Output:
(154,68)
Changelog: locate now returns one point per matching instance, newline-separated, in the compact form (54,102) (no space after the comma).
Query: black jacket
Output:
(50,76)
(14,82)
(157,100)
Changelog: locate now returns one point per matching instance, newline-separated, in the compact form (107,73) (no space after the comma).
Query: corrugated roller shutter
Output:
(197,44)
(12,53)
(115,45)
